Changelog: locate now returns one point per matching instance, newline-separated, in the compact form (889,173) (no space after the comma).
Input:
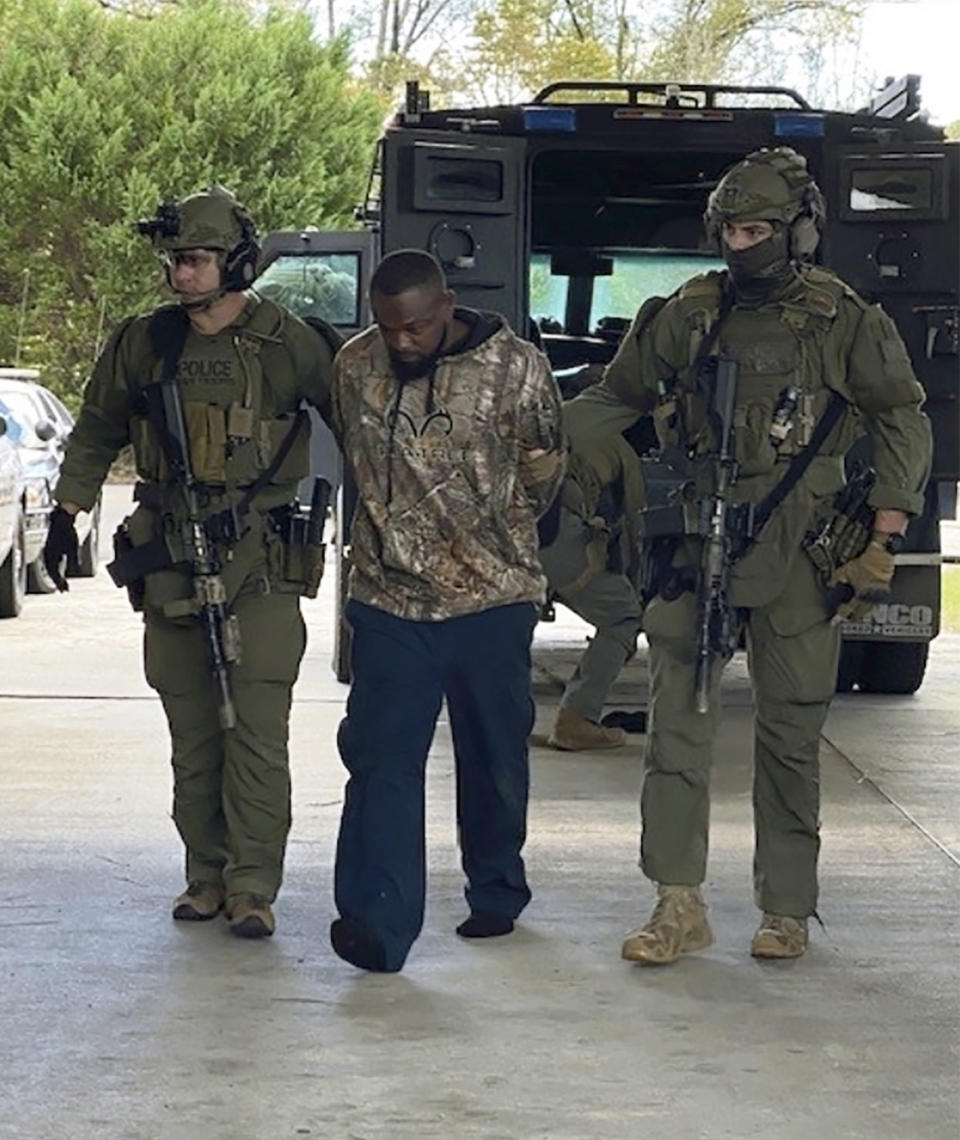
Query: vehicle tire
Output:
(13,575)
(893,667)
(849,665)
(88,555)
(38,578)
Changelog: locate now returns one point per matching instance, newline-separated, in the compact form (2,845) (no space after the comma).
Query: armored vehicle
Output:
(565,213)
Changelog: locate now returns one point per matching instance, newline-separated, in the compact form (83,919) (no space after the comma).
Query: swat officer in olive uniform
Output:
(242,365)
(786,324)
(590,564)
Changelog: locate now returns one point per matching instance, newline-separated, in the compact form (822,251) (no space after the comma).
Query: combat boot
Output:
(677,926)
(780,936)
(250,916)
(574,733)
(198,903)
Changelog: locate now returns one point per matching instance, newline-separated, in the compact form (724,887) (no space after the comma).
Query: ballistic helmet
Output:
(772,186)
(212,219)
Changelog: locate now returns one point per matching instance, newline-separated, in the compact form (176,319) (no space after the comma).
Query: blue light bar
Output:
(791,125)
(544,118)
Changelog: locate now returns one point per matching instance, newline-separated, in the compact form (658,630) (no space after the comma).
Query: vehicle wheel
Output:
(38,578)
(848,668)
(13,575)
(893,667)
(88,556)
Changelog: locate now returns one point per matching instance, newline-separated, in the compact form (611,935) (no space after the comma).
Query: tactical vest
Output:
(776,346)
(235,435)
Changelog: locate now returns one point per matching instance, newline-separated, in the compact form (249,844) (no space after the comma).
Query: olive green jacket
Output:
(240,387)
(819,336)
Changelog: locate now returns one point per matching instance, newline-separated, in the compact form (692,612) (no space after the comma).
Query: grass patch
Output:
(950,603)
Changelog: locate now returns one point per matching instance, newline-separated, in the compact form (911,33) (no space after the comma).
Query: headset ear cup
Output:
(804,237)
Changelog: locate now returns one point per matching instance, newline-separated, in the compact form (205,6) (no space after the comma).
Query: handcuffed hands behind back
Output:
(858,585)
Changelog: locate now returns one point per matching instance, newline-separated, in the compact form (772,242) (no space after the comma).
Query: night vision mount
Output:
(165,224)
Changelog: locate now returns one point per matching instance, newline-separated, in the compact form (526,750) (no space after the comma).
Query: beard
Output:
(413,368)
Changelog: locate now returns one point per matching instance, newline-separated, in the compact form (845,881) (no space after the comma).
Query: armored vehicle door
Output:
(323,274)
(893,233)
(459,196)
(320,274)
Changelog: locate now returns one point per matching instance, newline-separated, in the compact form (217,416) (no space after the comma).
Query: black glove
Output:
(61,546)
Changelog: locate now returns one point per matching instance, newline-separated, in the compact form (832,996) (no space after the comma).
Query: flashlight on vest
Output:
(782,422)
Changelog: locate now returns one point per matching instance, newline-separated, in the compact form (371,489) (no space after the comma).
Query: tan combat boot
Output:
(779,936)
(198,903)
(250,916)
(677,926)
(574,733)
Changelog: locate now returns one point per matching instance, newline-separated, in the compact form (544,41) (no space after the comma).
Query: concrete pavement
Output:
(118,1023)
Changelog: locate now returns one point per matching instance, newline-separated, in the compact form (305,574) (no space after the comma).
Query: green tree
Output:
(104,113)
(521,45)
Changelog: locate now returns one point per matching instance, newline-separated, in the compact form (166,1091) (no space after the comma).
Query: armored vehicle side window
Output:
(461,180)
(325,285)
(467,179)
(911,187)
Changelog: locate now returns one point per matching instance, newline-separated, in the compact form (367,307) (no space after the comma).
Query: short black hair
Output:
(406,269)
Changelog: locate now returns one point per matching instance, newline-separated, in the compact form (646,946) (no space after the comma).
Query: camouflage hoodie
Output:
(449,494)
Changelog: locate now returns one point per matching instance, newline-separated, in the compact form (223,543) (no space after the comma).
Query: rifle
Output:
(717,627)
(221,631)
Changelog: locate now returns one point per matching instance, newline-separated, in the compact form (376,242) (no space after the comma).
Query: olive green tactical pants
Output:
(607,601)
(231,788)
(793,660)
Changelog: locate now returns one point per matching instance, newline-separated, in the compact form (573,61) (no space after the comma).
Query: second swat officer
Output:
(208,392)
(808,353)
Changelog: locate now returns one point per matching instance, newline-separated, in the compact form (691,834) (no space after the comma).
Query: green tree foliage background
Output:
(104,113)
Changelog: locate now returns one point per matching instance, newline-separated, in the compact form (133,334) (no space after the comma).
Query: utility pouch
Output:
(297,560)
(207,433)
(121,568)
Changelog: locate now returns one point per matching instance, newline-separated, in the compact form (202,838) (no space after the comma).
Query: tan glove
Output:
(858,585)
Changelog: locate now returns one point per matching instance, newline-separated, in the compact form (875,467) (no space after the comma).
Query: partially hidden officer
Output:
(238,368)
(451,425)
(590,560)
(806,347)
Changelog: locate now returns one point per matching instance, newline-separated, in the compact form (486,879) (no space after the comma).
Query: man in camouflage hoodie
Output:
(451,425)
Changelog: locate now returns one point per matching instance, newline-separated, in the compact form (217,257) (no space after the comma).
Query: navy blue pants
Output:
(402,670)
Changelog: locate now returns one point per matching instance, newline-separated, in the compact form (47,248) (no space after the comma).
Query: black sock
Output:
(354,943)
(485,924)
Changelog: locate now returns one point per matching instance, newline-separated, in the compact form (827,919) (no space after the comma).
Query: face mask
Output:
(768,260)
